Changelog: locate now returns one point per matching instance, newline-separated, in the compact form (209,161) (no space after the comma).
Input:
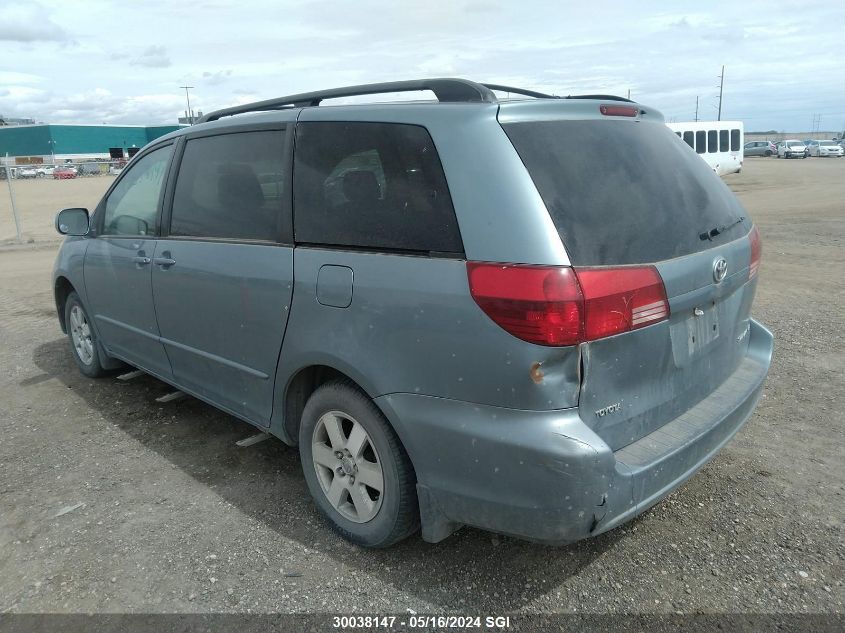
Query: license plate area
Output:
(702,329)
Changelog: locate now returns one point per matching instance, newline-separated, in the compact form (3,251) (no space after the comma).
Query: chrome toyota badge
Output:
(720,269)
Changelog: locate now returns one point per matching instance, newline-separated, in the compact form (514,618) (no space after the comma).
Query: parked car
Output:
(44,170)
(90,169)
(27,172)
(826,148)
(760,148)
(64,172)
(116,169)
(491,321)
(792,149)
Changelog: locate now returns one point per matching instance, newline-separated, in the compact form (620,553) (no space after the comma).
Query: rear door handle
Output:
(164,262)
(141,261)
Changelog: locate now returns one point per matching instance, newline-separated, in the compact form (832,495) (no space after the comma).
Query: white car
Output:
(826,148)
(27,172)
(45,170)
(792,149)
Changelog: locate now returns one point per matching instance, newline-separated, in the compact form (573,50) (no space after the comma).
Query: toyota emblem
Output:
(720,269)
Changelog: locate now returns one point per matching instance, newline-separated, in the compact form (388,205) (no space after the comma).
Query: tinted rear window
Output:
(623,192)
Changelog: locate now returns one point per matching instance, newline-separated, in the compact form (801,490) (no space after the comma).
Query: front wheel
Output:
(83,339)
(357,470)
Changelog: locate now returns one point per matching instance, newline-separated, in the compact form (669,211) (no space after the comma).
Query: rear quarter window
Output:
(371,185)
(624,192)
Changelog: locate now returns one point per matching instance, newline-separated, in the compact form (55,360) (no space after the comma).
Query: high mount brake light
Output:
(756,252)
(618,110)
(559,306)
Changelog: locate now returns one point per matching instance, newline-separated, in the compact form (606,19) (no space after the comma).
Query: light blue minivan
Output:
(531,315)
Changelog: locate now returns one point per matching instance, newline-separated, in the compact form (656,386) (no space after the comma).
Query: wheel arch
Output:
(61,290)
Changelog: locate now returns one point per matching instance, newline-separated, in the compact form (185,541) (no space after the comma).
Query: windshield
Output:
(827,143)
(625,192)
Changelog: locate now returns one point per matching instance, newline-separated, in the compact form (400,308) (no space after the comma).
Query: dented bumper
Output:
(544,475)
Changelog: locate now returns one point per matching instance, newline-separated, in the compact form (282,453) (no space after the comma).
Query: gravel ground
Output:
(110,502)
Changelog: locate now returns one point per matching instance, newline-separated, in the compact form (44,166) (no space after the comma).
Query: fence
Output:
(32,194)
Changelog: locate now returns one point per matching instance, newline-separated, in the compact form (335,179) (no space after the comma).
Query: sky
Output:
(124,62)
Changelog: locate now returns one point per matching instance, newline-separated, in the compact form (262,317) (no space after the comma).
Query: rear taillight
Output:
(621,299)
(756,252)
(539,304)
(559,306)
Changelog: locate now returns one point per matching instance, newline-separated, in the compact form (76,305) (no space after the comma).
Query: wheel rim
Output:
(348,466)
(80,334)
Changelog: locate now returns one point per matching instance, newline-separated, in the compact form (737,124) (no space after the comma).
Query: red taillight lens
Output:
(618,110)
(557,306)
(621,299)
(539,304)
(756,252)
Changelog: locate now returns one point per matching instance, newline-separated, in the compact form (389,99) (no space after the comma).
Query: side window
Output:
(712,141)
(723,140)
(701,141)
(371,185)
(132,206)
(231,187)
(734,140)
(679,134)
(689,139)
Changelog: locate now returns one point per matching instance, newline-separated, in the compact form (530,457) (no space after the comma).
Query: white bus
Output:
(719,143)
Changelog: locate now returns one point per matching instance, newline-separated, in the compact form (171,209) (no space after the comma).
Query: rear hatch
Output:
(622,192)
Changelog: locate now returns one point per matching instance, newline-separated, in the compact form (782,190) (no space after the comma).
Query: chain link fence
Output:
(32,194)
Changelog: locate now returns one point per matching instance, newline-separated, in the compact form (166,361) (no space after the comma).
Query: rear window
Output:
(623,192)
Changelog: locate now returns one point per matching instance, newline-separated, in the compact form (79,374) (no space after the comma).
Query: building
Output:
(49,143)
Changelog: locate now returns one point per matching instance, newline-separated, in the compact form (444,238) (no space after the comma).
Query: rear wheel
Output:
(357,470)
(83,339)
(768,152)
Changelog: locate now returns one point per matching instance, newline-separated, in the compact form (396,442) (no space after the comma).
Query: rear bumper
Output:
(544,475)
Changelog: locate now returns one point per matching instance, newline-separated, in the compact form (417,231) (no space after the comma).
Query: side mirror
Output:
(73,221)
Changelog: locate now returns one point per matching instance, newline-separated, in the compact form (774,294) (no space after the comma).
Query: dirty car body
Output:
(571,344)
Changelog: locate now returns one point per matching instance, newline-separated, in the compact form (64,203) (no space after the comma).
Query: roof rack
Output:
(600,98)
(447,90)
(519,91)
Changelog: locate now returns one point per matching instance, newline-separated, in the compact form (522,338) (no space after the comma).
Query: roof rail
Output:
(448,90)
(600,98)
(520,91)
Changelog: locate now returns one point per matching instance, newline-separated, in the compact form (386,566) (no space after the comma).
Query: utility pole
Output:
(696,107)
(721,85)
(188,99)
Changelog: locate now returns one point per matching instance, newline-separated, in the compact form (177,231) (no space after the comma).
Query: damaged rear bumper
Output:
(544,475)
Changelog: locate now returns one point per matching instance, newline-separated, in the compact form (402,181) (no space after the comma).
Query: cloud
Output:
(29,22)
(216,78)
(152,57)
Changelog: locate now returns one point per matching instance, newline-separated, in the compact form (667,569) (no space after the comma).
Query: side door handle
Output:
(165,261)
(141,258)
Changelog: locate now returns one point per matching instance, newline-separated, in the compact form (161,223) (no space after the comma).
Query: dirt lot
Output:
(38,199)
(176,518)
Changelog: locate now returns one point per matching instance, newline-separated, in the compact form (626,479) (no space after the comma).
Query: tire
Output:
(82,338)
(335,415)
(767,153)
